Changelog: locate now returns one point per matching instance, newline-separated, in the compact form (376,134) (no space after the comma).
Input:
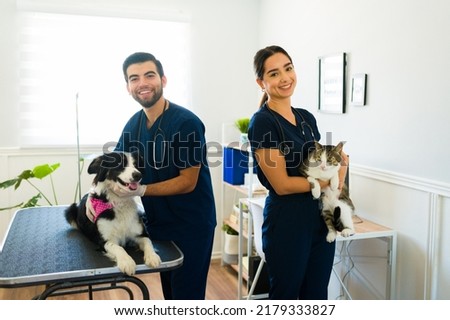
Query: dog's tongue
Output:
(133,186)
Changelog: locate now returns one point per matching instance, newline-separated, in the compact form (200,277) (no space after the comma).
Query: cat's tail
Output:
(337,222)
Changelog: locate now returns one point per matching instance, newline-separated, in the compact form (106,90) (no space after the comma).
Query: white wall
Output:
(398,141)
(8,76)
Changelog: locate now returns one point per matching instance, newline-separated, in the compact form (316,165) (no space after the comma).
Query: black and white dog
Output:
(109,220)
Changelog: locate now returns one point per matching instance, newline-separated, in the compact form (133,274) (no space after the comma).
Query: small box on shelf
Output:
(234,216)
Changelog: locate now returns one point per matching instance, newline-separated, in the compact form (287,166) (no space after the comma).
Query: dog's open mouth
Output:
(131,185)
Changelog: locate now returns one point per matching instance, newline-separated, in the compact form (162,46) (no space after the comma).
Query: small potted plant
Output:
(242,125)
(231,245)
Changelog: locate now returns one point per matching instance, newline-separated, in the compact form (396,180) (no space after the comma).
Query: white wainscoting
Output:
(419,210)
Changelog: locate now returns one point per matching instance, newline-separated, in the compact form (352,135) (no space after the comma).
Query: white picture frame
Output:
(358,91)
(332,83)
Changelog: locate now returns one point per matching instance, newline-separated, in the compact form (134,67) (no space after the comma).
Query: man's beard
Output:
(147,104)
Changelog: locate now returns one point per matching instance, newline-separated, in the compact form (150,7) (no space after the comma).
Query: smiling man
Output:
(176,189)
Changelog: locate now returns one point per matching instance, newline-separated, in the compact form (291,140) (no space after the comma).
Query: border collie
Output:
(109,220)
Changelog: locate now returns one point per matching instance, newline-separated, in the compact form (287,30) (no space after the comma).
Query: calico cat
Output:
(323,163)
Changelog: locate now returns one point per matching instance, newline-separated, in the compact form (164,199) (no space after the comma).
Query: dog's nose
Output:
(137,176)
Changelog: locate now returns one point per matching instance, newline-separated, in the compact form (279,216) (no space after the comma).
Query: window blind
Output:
(63,55)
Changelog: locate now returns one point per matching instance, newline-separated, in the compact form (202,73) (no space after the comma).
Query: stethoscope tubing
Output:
(284,148)
(158,132)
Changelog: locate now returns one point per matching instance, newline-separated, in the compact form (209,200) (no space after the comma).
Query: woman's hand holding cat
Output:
(343,170)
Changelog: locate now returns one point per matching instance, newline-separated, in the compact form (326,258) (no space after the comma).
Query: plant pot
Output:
(230,258)
(244,138)
(231,245)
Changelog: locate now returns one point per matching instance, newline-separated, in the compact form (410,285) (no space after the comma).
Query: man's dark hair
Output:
(140,57)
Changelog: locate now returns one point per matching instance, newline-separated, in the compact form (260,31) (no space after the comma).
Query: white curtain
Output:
(62,55)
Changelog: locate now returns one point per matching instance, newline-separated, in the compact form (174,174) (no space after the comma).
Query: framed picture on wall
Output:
(358,97)
(332,83)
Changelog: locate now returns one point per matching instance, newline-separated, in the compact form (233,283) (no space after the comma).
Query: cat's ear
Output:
(317,145)
(339,146)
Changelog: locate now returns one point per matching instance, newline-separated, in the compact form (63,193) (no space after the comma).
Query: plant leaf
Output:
(8,183)
(242,124)
(44,170)
(32,202)
(25,175)
(229,230)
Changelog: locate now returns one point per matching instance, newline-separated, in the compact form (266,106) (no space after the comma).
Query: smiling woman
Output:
(67,56)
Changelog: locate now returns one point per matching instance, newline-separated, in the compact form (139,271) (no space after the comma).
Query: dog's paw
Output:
(315,187)
(152,260)
(127,265)
(331,236)
(347,232)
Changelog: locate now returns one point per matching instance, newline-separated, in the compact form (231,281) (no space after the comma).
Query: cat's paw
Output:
(315,187)
(347,232)
(334,183)
(331,236)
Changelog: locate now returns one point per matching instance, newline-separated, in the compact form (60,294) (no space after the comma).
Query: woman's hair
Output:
(258,63)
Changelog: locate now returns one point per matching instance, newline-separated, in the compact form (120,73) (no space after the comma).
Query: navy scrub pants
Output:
(189,281)
(299,259)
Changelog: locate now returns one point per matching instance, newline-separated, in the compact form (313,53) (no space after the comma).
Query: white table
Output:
(364,228)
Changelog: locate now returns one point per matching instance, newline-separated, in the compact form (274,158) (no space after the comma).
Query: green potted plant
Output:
(229,230)
(242,125)
(231,245)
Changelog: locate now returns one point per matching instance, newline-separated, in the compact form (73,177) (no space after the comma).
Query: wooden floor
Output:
(222,285)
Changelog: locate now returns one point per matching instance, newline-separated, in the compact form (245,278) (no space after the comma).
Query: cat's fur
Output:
(323,163)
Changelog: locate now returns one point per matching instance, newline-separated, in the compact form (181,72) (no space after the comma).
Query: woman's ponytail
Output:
(263,99)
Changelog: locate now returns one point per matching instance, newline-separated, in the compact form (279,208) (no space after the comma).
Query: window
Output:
(64,56)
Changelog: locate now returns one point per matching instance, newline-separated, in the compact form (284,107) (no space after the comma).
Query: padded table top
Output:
(41,247)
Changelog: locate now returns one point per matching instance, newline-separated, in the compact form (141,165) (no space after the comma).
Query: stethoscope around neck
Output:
(283,146)
(158,136)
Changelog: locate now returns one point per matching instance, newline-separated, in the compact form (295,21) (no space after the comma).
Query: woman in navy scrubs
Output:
(298,257)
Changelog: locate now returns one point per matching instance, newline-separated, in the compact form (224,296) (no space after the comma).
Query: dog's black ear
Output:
(95,165)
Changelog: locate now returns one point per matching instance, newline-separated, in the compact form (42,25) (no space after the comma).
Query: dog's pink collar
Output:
(96,207)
